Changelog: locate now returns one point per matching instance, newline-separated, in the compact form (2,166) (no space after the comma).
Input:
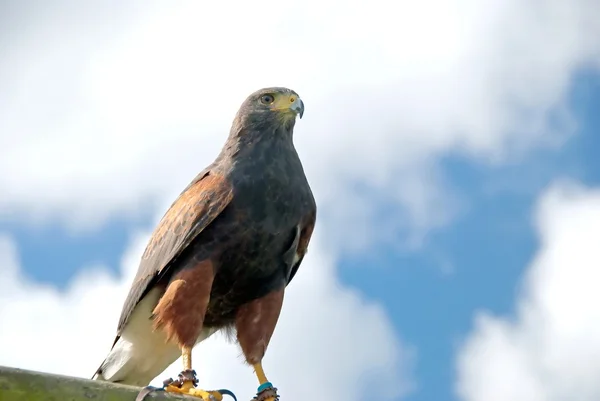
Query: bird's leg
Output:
(188,375)
(187,381)
(265,391)
(180,315)
(255,323)
(260,373)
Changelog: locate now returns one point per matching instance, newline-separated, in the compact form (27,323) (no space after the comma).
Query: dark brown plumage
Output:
(228,246)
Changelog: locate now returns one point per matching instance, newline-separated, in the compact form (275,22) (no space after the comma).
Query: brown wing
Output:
(195,208)
(305,235)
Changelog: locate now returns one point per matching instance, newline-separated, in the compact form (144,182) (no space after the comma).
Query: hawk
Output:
(222,255)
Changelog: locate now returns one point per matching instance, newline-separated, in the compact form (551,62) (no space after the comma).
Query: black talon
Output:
(147,390)
(186,375)
(227,392)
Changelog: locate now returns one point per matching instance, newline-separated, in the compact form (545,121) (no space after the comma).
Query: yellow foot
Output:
(195,392)
(186,384)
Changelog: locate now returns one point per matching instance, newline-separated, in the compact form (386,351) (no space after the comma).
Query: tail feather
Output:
(98,374)
(140,354)
(135,364)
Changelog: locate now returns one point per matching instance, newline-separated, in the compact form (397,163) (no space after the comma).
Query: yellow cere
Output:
(282,101)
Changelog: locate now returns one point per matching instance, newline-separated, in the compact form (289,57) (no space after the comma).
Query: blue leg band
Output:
(264,386)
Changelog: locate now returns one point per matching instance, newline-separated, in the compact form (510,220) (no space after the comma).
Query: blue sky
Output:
(489,247)
(401,126)
(430,293)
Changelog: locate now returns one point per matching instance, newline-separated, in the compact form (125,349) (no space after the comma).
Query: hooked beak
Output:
(298,107)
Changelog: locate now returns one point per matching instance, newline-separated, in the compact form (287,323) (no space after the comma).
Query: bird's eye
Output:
(267,99)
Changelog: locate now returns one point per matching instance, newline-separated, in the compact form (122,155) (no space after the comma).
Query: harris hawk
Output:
(222,254)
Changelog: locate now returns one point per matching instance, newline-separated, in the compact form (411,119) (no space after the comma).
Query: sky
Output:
(451,147)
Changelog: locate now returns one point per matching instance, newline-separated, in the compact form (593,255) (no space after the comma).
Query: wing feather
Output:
(305,236)
(195,208)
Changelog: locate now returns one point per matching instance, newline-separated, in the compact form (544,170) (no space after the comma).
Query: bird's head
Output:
(271,107)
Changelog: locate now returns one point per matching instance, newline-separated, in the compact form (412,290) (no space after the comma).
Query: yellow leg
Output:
(187,385)
(260,373)
(265,390)
(186,356)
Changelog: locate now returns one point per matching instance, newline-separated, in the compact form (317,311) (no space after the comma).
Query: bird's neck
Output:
(250,140)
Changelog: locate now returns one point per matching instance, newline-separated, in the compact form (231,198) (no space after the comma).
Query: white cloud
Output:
(106,112)
(103,111)
(329,340)
(550,349)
